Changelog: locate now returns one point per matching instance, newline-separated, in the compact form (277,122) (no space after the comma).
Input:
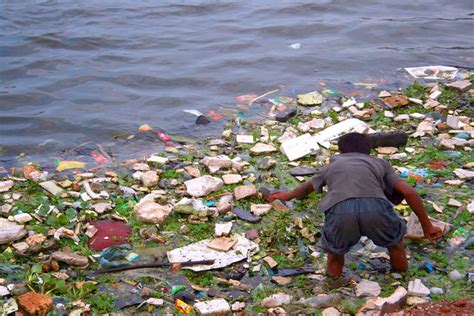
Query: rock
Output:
(148,211)
(271,262)
(204,185)
(276,300)
(321,301)
(454,202)
(389,139)
(222,243)
(303,171)
(141,166)
(35,239)
(461,85)
(260,209)
(281,280)
(238,306)
(22,218)
(464,174)
(71,259)
(382,305)
(368,288)
(279,206)
(452,121)
(35,304)
(455,275)
(202,120)
(51,187)
(225,204)
(384,94)
(214,307)
(289,134)
(415,231)
(402,118)
(414,300)
(244,191)
(6,185)
(284,116)
(193,171)
(396,101)
(10,231)
(246,216)
(386,150)
(149,179)
(277,311)
(158,159)
(21,247)
(261,148)
(417,288)
(426,127)
(251,234)
(331,311)
(4,291)
(417,116)
(232,178)
(399,156)
(437,290)
(101,208)
(222,229)
(470,207)
(310,99)
(244,139)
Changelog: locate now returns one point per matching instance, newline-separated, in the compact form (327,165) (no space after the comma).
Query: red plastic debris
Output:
(109,233)
(164,137)
(437,164)
(99,158)
(215,116)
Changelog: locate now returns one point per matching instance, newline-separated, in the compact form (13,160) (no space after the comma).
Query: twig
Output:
(263,95)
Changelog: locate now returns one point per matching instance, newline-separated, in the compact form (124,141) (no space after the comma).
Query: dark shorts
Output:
(350,219)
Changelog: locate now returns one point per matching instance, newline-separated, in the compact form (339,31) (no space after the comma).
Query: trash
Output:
(145,128)
(223,229)
(295,46)
(109,233)
(382,305)
(310,99)
(115,256)
(415,231)
(183,307)
(244,191)
(10,231)
(417,288)
(204,185)
(433,72)
(6,185)
(35,303)
(295,271)
(341,128)
(200,251)
(67,165)
(71,259)
(51,187)
(246,216)
(261,148)
(367,288)
(148,211)
(98,157)
(299,147)
(276,300)
(223,243)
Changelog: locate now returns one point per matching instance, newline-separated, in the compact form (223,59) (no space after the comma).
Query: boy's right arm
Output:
(414,201)
(299,192)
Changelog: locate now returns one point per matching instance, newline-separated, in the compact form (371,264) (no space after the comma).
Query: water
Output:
(83,71)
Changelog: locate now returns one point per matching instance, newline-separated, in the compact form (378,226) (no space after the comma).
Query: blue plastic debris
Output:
(361,266)
(423,172)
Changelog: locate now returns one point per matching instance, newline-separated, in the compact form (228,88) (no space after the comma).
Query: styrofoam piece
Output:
(341,128)
(299,147)
(433,72)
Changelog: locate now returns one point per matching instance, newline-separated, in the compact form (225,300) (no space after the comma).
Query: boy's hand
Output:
(432,233)
(279,195)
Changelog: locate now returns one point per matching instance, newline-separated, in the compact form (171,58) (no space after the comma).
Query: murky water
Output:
(82,71)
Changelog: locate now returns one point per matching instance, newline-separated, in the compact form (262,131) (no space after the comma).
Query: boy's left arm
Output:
(299,192)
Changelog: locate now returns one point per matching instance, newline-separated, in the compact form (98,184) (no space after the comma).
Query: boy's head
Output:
(354,143)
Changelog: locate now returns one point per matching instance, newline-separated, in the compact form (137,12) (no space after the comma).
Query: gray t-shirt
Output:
(353,175)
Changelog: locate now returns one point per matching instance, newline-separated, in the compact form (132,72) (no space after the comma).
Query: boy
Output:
(359,186)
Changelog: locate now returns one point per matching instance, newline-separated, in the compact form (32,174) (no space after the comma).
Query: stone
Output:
(417,116)
(415,231)
(101,208)
(289,134)
(279,206)
(222,229)
(149,179)
(417,288)
(222,243)
(260,209)
(246,216)
(321,301)
(384,94)
(4,291)
(455,275)
(276,300)
(251,234)
(414,300)
(303,171)
(281,280)
(303,127)
(192,171)
(226,133)
(271,262)
(284,116)
(277,311)
(21,247)
(232,178)
(299,147)
(316,123)
(158,159)
(402,118)
(35,239)
(202,120)
(224,205)
(217,163)
(461,85)
(10,231)
(383,305)
(214,307)
(388,114)
(141,166)
(6,185)
(386,150)
(464,174)
(396,101)
(367,288)
(244,191)
(426,127)
(204,185)
(454,202)
(35,304)
(71,259)
(238,306)
(22,218)
(310,99)
(6,208)
(51,187)
(148,211)
(452,121)
(399,156)
(437,291)
(331,311)
(261,148)
(244,139)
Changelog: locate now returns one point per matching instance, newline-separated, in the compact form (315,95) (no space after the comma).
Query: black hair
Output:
(354,143)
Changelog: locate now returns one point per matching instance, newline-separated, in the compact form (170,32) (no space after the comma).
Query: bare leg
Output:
(335,264)
(398,258)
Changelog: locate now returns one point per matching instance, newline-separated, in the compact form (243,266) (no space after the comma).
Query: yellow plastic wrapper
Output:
(183,307)
(66,165)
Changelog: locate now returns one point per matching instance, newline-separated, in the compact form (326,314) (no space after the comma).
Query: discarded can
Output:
(183,307)
(177,288)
